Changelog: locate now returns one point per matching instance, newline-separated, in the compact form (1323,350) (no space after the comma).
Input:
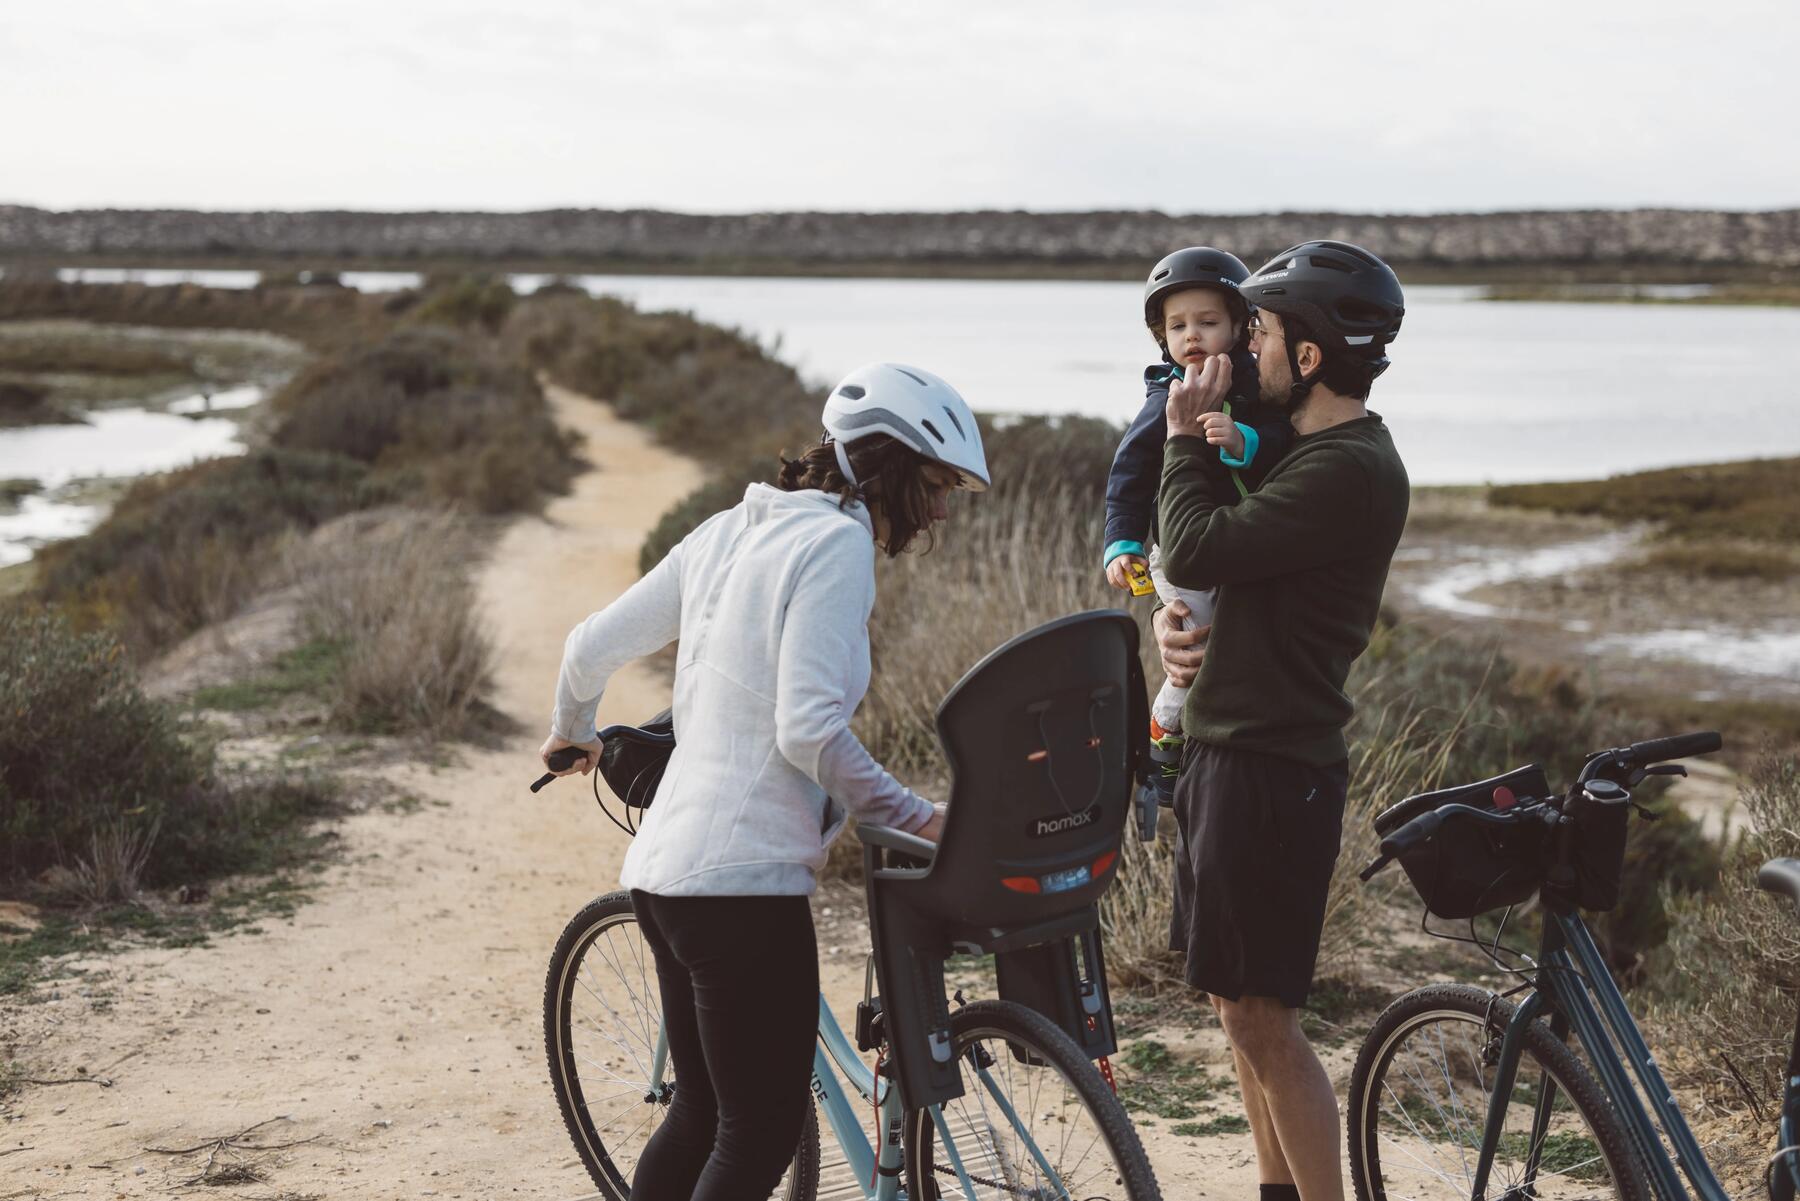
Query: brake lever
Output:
(1666,769)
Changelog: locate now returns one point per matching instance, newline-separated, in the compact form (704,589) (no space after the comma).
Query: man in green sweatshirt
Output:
(1299,565)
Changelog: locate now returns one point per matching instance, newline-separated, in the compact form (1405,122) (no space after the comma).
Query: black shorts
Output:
(1258,839)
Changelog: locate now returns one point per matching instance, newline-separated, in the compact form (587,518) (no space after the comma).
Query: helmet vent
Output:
(1163,274)
(1331,264)
(961,433)
(853,391)
(931,429)
(915,379)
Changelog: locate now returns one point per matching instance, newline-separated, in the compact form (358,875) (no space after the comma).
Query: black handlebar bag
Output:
(1043,738)
(633,758)
(1469,867)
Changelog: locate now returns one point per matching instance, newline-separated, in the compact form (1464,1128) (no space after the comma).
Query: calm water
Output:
(1479,391)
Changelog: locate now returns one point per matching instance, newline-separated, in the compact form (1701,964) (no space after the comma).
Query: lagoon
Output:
(1480,391)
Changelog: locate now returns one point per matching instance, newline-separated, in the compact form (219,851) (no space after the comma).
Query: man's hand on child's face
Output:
(1223,432)
(1196,394)
(1117,569)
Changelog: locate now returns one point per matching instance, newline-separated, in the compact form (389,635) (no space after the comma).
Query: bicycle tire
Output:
(1573,1158)
(1008,1026)
(611,917)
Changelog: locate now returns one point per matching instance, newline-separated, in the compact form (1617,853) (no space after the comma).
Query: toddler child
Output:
(1194,310)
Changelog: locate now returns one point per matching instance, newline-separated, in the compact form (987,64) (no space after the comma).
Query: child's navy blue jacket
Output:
(1137,465)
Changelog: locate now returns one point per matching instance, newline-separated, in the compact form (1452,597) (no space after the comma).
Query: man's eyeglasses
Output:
(1257,327)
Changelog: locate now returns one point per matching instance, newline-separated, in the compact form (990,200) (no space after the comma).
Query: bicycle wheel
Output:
(602,1016)
(1035,1119)
(1419,1100)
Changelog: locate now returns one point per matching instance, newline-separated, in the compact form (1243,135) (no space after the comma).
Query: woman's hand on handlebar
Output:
(933,830)
(588,762)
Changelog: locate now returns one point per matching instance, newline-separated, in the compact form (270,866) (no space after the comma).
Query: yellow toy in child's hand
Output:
(1139,579)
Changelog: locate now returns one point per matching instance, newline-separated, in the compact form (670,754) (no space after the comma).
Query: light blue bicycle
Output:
(975,1101)
(1036,1119)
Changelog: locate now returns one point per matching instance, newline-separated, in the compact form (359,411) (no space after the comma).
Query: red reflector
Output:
(1504,798)
(1021,883)
(1037,756)
(1105,861)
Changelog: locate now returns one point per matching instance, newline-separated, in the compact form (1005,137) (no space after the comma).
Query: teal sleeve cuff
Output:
(1251,440)
(1122,547)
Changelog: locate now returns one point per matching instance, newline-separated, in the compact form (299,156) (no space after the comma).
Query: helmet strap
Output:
(843,458)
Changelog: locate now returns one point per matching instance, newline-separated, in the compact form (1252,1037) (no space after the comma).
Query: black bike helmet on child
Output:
(1195,267)
(1347,298)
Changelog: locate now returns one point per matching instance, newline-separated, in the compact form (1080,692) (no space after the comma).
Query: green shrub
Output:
(1751,499)
(469,300)
(432,410)
(710,392)
(83,753)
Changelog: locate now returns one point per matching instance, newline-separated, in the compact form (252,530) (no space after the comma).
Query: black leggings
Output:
(739,978)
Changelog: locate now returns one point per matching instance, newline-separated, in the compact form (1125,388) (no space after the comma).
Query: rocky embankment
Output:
(1642,237)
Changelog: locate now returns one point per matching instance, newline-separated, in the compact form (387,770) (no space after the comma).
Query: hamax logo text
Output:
(1043,827)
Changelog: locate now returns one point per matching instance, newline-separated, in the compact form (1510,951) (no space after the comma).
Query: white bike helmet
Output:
(913,406)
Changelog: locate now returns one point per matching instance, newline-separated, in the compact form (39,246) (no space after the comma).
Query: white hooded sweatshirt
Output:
(771,602)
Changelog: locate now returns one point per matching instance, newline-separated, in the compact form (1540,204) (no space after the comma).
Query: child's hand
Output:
(1223,432)
(1116,571)
(1198,393)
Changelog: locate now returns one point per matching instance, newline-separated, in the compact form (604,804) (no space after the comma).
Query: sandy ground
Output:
(391,1031)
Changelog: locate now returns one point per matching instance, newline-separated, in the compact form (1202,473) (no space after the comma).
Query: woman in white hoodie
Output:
(771,601)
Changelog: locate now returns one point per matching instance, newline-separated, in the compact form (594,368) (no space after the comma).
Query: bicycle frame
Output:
(834,1050)
(1578,991)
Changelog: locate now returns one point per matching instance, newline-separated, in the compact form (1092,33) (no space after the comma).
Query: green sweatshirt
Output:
(1300,564)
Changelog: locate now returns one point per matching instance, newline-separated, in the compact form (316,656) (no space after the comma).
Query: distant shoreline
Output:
(1512,281)
(1562,246)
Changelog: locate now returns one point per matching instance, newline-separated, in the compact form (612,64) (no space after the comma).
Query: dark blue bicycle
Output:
(1468,1094)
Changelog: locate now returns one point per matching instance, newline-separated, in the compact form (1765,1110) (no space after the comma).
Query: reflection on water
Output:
(113,444)
(1448,591)
(159,276)
(39,520)
(1754,652)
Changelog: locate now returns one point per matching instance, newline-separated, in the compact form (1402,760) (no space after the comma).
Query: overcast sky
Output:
(706,106)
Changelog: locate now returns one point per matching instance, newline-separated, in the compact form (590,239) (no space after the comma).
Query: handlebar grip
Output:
(560,759)
(1679,746)
(1413,832)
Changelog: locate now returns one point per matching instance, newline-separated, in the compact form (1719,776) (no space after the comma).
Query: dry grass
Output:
(113,867)
(393,590)
(1723,988)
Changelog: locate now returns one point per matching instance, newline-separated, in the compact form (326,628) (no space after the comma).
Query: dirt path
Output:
(396,1020)
(394,1024)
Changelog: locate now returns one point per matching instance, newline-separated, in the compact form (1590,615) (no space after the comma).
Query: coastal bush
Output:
(184,548)
(323,318)
(713,393)
(439,414)
(467,300)
(391,592)
(101,792)
(1722,988)
(1754,499)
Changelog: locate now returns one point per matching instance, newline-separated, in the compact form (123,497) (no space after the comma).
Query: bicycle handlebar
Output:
(1427,824)
(1679,746)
